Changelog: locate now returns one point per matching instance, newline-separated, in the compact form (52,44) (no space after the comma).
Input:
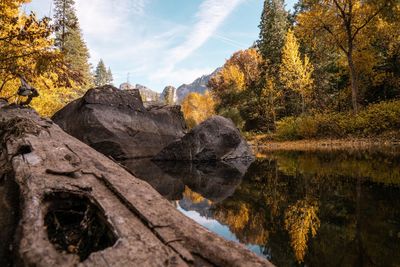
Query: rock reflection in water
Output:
(296,208)
(213,181)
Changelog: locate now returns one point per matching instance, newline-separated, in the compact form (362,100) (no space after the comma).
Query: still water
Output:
(294,208)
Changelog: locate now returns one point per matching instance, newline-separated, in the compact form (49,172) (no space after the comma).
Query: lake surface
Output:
(294,208)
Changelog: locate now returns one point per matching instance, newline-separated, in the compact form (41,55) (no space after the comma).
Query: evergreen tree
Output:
(101,75)
(273,28)
(110,78)
(69,39)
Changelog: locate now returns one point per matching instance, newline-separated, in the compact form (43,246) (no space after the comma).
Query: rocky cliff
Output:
(198,86)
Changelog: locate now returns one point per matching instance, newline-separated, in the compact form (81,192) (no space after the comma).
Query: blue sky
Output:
(164,42)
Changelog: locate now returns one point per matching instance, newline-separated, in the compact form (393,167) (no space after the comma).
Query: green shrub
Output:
(234,115)
(307,126)
(373,120)
(286,129)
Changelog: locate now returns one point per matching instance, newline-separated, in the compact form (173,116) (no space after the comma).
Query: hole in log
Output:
(77,225)
(24,149)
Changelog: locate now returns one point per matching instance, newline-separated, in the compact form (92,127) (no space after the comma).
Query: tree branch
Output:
(342,11)
(19,56)
(326,27)
(358,29)
(20,34)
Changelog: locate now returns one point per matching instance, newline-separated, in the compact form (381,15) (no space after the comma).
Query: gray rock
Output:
(216,139)
(116,123)
(168,96)
(146,93)
(99,215)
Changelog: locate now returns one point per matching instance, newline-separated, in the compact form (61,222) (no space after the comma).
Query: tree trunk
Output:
(354,82)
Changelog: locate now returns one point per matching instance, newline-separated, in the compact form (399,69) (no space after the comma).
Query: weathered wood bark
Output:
(61,179)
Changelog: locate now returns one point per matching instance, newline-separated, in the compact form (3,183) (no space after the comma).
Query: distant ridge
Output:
(198,86)
(147,94)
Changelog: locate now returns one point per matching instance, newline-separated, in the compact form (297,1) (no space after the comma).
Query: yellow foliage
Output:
(244,221)
(247,62)
(233,78)
(237,218)
(329,18)
(26,50)
(194,197)
(197,107)
(24,42)
(239,72)
(350,26)
(301,219)
(295,73)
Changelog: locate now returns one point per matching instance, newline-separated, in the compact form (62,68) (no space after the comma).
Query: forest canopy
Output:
(327,57)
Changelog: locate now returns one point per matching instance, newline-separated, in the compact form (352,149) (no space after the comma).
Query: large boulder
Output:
(216,139)
(116,123)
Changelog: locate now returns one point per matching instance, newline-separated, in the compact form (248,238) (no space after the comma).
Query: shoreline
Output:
(324,144)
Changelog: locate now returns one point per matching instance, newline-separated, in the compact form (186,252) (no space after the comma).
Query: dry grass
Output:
(326,144)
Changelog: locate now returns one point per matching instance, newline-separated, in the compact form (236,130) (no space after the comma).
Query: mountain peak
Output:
(198,86)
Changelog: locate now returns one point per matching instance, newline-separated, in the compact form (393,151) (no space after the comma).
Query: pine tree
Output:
(101,75)
(273,28)
(110,78)
(69,39)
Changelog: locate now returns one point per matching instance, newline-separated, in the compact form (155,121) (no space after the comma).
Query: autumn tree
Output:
(69,39)
(197,107)
(236,88)
(378,57)
(295,73)
(272,97)
(26,50)
(342,22)
(24,43)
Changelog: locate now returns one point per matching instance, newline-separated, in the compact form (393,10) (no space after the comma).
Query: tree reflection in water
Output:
(297,208)
(301,219)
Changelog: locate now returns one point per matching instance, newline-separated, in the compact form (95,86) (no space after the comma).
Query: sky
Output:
(163,42)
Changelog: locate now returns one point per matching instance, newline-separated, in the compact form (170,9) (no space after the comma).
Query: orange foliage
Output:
(197,108)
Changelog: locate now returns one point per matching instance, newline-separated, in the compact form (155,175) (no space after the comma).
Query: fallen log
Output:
(79,208)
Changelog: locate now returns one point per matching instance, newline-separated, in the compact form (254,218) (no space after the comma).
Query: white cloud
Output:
(230,41)
(129,39)
(210,16)
(104,17)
